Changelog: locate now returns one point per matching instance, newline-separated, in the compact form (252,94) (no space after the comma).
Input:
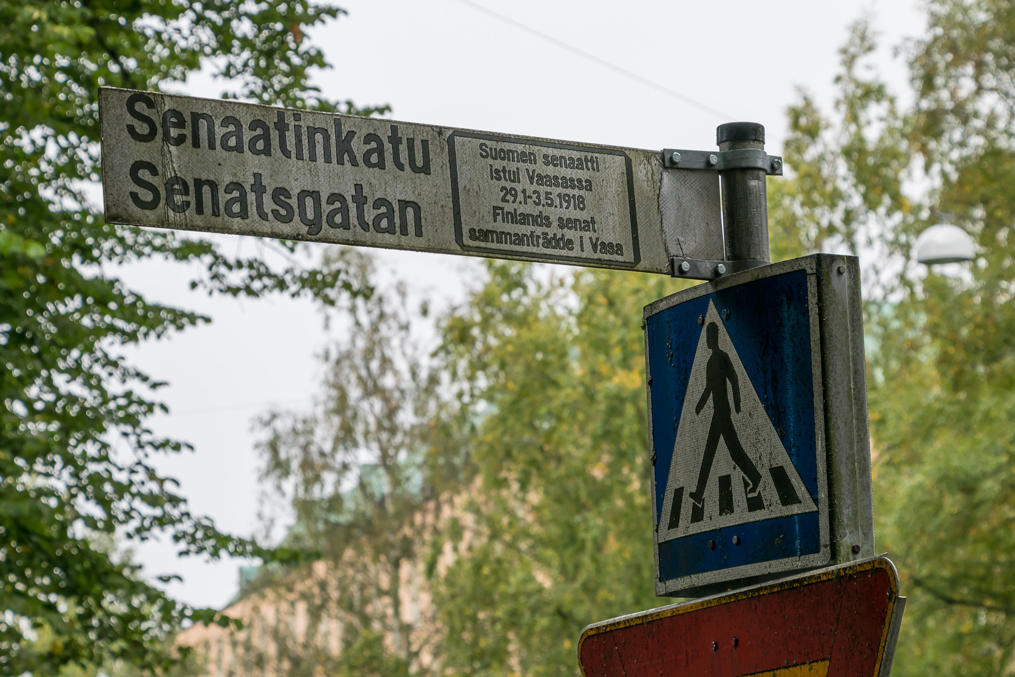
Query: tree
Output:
(76,455)
(505,476)
(556,532)
(359,475)
(941,351)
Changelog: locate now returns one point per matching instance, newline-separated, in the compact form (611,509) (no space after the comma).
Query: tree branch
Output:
(106,47)
(955,601)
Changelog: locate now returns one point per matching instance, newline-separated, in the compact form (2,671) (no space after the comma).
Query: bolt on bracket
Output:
(700,269)
(741,158)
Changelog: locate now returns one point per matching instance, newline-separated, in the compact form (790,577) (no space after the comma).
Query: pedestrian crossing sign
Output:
(700,493)
(737,418)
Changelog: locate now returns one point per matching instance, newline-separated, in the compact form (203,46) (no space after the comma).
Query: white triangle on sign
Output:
(751,476)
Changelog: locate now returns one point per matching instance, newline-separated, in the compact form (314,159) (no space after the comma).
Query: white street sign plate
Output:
(229,167)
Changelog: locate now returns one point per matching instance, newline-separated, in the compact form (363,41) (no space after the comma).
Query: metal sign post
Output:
(742,165)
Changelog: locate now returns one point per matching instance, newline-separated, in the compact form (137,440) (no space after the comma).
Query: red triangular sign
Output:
(839,622)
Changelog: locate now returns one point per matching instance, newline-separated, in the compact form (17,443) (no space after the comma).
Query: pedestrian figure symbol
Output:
(718,372)
(729,465)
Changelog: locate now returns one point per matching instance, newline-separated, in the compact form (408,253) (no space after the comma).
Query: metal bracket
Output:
(699,269)
(717,161)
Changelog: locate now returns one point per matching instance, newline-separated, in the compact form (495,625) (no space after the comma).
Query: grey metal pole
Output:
(744,196)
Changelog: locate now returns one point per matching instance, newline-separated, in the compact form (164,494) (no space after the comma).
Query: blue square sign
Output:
(737,417)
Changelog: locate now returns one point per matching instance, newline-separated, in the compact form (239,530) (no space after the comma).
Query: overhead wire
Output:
(219,408)
(597,60)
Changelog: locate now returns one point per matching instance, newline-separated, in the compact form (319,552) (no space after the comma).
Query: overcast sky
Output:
(640,74)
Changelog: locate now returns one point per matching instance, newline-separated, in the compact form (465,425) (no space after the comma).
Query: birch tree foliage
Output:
(875,172)
(360,473)
(557,531)
(76,451)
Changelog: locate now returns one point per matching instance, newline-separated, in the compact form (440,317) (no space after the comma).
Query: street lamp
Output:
(944,243)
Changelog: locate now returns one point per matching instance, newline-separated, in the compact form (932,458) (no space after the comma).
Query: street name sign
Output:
(839,622)
(758,422)
(230,167)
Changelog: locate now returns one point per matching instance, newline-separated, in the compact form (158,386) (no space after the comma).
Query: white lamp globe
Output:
(944,243)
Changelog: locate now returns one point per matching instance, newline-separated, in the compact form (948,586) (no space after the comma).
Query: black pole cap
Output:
(740,131)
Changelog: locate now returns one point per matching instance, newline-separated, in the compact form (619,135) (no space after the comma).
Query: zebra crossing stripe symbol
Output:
(729,465)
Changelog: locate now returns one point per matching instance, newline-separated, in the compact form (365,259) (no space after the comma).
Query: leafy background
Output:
(502,402)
